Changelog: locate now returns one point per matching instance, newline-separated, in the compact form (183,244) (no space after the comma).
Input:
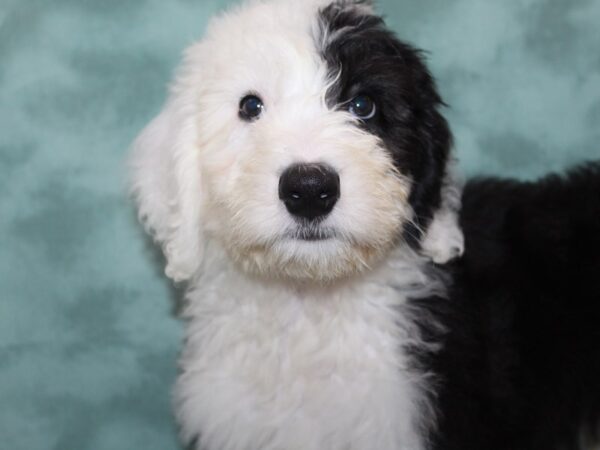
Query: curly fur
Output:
(413,322)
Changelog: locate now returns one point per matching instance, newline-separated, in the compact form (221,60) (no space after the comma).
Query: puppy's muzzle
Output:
(309,191)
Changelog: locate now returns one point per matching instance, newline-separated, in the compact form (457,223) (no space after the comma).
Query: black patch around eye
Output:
(364,56)
(251,107)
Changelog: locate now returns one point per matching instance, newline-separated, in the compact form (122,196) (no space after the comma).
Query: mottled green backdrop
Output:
(88,341)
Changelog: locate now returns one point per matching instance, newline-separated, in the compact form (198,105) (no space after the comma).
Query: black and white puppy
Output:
(299,181)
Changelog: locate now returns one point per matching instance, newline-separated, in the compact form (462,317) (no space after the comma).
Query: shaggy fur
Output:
(370,326)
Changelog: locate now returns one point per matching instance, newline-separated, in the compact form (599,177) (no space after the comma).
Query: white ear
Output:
(166,186)
(444,239)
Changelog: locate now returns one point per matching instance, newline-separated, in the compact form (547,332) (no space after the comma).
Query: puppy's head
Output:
(302,138)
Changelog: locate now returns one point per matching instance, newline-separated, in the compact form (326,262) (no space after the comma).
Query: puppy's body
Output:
(298,181)
(272,366)
(500,349)
(521,359)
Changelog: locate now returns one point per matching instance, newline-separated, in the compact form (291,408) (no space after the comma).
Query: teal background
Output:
(88,339)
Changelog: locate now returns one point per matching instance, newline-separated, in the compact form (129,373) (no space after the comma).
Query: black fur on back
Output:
(366,58)
(520,363)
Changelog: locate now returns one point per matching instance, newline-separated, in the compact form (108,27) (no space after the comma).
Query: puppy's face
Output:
(309,145)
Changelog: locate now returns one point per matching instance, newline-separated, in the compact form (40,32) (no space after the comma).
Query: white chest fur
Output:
(271,367)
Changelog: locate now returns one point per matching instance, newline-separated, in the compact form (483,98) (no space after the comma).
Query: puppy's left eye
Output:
(363,107)
(251,107)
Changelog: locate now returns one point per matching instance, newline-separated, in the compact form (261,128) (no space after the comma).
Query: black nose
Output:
(309,190)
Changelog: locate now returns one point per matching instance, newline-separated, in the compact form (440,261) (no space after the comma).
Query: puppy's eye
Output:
(363,107)
(251,107)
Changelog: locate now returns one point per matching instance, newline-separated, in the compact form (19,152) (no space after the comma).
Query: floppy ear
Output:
(166,186)
(436,194)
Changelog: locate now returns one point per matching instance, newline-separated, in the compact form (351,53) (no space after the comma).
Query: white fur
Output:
(289,344)
(444,239)
(167,185)
(269,365)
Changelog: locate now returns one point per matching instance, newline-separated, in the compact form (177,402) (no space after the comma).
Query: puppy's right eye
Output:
(251,107)
(362,107)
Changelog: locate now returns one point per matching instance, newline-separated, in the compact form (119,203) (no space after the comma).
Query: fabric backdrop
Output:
(88,336)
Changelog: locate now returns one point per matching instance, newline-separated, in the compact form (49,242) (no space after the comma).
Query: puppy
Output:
(299,180)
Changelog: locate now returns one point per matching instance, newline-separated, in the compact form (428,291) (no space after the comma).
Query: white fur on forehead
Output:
(260,44)
(256,46)
(255,16)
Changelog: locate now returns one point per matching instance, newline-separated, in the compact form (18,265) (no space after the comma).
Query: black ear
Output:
(431,141)
(367,57)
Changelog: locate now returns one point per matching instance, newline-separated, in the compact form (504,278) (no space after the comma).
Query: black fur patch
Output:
(519,364)
(519,368)
(371,60)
